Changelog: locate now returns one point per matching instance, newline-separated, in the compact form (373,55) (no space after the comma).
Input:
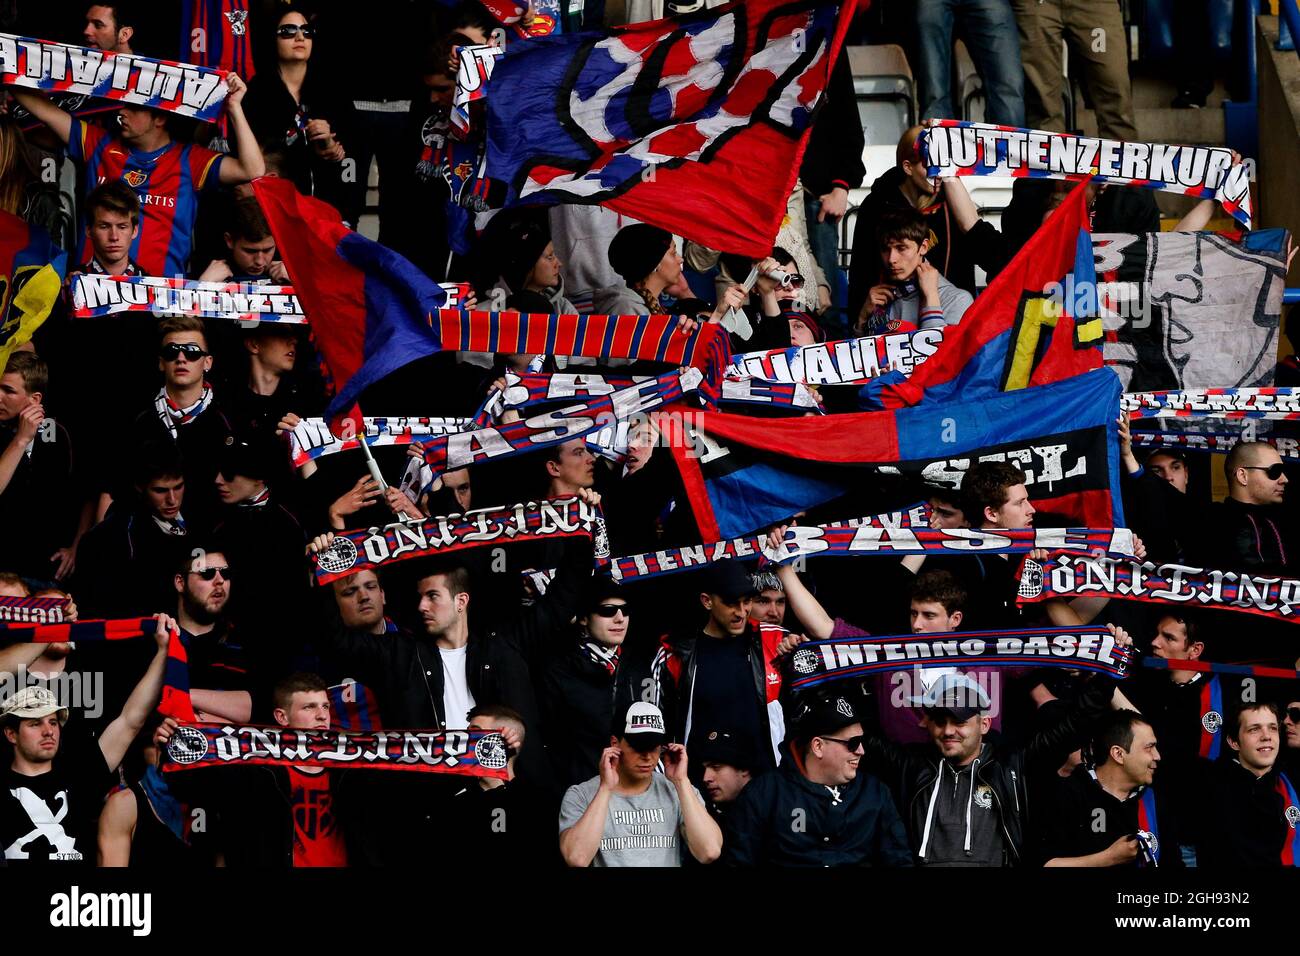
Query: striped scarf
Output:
(1087,648)
(1148,827)
(259,500)
(175,526)
(650,337)
(473,753)
(173,416)
(176,673)
(606,657)
(1075,575)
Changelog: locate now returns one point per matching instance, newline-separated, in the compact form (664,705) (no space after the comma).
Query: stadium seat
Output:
(886,92)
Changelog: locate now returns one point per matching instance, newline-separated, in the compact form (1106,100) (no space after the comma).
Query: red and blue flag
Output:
(743,473)
(695,124)
(1036,323)
(370,310)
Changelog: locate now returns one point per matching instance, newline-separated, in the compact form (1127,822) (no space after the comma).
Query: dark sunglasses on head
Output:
(609,610)
(1273,472)
(852,743)
(288,31)
(207,574)
(1294,714)
(172,351)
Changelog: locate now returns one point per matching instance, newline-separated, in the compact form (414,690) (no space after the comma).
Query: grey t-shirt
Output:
(645,830)
(954,300)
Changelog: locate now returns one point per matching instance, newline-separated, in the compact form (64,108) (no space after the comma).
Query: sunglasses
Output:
(793,281)
(1293,713)
(207,574)
(289,30)
(1273,472)
(172,351)
(609,610)
(853,743)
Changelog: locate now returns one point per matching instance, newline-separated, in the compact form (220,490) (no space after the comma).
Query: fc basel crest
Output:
(135,178)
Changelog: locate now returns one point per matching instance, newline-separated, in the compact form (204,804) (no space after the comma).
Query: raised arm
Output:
(580,843)
(117,736)
(703,835)
(247,163)
(817,624)
(960,204)
(39,105)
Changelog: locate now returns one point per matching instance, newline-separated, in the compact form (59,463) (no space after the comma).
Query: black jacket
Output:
(948,252)
(405,670)
(673,675)
(201,444)
(273,115)
(580,703)
(859,828)
(912,771)
(1083,818)
(1243,820)
(40,505)
(834,154)
(125,566)
(1248,537)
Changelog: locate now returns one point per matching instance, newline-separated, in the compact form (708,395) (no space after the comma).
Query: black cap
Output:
(600,589)
(821,716)
(252,456)
(636,250)
(721,746)
(727,579)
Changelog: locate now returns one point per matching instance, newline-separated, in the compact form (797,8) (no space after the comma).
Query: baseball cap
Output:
(956,694)
(33,702)
(721,746)
(643,727)
(729,580)
(820,716)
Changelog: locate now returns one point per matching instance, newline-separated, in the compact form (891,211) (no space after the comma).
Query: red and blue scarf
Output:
(1149,825)
(1291,814)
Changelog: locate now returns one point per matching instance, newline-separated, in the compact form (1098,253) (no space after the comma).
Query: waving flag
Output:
(31,277)
(1035,323)
(744,473)
(369,309)
(695,124)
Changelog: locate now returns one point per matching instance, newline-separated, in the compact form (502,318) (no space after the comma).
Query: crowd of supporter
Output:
(144,471)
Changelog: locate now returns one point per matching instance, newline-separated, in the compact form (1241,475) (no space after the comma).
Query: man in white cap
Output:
(51,793)
(631,814)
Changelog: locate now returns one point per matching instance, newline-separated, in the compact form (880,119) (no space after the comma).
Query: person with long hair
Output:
(296,107)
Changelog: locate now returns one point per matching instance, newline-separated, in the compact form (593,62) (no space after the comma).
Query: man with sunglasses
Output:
(819,808)
(630,813)
(587,680)
(1290,759)
(1249,532)
(184,413)
(221,686)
